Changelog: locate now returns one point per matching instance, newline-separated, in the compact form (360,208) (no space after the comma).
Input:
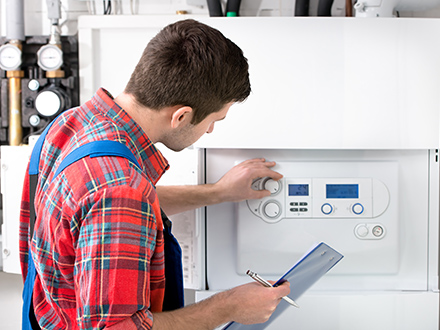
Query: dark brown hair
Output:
(191,64)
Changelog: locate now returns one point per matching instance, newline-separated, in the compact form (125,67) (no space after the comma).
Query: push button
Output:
(362,231)
(357,208)
(326,208)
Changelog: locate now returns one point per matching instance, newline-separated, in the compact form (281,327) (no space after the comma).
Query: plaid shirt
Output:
(98,241)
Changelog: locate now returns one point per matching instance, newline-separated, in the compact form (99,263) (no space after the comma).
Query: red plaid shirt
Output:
(98,241)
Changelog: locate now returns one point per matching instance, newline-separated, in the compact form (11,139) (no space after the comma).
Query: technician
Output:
(98,242)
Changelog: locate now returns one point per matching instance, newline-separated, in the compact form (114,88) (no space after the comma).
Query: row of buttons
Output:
(299,203)
(303,209)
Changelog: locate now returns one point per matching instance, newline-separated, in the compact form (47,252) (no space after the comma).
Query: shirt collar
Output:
(153,161)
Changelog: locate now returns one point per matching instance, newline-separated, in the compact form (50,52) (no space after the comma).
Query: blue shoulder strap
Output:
(92,149)
(97,149)
(29,321)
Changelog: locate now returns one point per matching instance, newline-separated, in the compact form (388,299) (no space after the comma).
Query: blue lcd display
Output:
(342,191)
(298,190)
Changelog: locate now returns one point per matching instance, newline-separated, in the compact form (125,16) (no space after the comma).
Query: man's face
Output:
(188,134)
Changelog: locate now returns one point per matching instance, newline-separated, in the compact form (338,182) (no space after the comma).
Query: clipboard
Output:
(306,272)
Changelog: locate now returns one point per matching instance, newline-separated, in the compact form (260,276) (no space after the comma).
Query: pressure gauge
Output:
(10,57)
(50,57)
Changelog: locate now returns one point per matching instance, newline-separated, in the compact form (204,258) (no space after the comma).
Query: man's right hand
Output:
(255,303)
(246,304)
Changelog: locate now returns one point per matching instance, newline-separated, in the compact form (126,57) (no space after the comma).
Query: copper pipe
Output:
(348,8)
(15,128)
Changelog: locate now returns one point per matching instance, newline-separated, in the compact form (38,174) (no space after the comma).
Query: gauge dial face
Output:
(10,57)
(50,57)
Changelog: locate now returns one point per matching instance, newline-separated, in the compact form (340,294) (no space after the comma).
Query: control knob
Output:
(271,185)
(272,209)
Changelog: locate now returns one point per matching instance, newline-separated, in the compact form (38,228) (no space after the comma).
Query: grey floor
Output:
(11,286)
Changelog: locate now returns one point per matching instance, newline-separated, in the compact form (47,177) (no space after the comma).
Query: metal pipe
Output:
(348,8)
(15,128)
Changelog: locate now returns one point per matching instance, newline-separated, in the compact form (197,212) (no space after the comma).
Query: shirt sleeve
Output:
(116,241)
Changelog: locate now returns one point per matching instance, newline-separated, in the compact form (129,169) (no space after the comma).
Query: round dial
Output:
(378,231)
(272,210)
(50,57)
(10,57)
(272,185)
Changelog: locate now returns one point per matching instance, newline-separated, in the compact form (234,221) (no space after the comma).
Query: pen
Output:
(262,281)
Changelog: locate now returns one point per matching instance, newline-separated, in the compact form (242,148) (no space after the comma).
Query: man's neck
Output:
(151,121)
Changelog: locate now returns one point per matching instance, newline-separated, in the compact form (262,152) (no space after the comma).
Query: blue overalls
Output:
(174,293)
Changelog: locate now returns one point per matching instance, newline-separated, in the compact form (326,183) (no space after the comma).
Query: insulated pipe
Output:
(15,20)
(233,7)
(215,8)
(302,7)
(325,7)
(53,11)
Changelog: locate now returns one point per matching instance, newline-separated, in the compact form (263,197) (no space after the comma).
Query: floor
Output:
(11,287)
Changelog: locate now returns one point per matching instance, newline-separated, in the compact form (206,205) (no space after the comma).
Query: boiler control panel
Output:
(293,198)
(349,203)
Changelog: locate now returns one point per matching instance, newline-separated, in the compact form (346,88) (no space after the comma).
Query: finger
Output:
(259,194)
(258,162)
(284,288)
(253,160)
(267,172)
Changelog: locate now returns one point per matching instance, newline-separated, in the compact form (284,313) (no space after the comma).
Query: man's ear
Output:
(181,116)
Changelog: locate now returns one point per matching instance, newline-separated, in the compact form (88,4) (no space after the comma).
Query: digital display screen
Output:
(298,190)
(342,191)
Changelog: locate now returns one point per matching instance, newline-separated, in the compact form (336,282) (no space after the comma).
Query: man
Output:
(98,243)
